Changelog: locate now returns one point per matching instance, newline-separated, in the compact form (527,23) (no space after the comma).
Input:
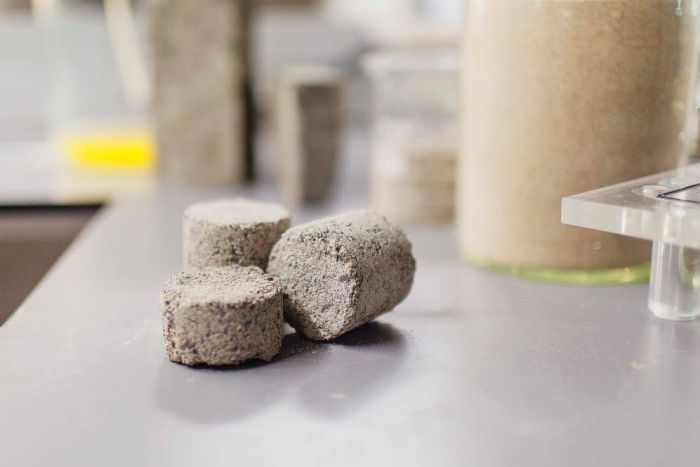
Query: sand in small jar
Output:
(561,97)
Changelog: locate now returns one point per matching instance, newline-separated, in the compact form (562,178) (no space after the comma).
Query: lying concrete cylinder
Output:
(231,231)
(341,272)
(222,316)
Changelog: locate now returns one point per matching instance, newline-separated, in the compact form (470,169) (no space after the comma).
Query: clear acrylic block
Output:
(663,208)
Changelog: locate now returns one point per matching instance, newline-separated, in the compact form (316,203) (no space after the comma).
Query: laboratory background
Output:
(349,232)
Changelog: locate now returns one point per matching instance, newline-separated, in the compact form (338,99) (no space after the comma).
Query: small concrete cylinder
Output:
(222,316)
(229,232)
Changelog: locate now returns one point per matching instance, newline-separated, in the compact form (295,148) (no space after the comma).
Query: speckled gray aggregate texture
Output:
(222,316)
(231,231)
(341,272)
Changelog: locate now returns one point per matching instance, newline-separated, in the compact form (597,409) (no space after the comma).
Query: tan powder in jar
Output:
(561,97)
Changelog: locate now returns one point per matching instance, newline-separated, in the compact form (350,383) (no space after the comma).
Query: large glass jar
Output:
(561,97)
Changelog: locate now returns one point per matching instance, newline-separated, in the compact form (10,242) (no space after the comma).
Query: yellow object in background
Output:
(109,150)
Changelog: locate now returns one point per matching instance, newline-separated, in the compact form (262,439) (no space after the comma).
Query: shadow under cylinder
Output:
(560,98)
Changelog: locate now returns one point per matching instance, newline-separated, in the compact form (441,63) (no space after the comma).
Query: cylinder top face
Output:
(233,284)
(236,211)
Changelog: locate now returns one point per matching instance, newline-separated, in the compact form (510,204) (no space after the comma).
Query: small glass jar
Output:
(415,134)
(562,97)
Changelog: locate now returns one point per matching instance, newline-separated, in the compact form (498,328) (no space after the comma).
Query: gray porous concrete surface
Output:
(222,316)
(341,272)
(225,232)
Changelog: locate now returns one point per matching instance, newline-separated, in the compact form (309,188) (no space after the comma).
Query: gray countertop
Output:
(472,369)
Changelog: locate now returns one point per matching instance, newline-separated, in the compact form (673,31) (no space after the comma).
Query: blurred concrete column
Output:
(200,66)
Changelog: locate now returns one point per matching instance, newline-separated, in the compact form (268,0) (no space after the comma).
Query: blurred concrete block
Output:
(309,123)
(15,5)
(200,60)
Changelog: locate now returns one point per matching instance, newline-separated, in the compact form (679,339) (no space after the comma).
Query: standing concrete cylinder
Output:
(308,120)
(200,68)
(222,316)
(229,232)
(341,272)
